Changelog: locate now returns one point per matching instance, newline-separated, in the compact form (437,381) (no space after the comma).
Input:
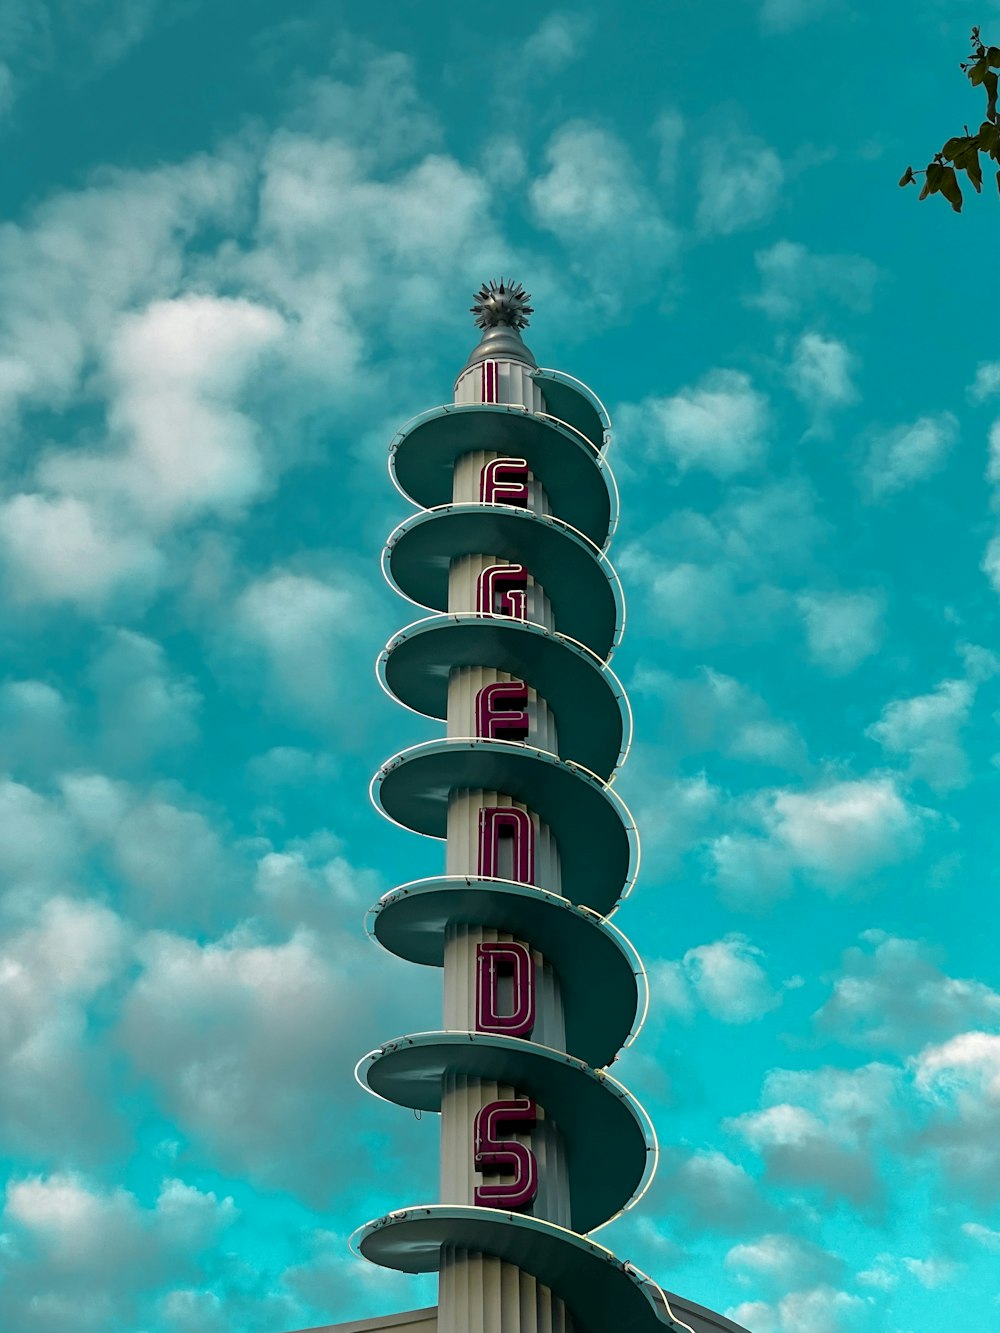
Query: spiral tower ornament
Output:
(540,1145)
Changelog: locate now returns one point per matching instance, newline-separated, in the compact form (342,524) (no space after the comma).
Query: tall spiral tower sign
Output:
(540,1145)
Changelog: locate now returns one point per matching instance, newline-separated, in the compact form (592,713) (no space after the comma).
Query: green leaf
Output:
(932,181)
(998,180)
(968,161)
(978,72)
(956,147)
(907,177)
(989,139)
(990,83)
(993,56)
(950,188)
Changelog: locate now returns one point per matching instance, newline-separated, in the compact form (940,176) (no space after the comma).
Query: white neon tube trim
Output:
(477,617)
(572,382)
(596,452)
(580,1241)
(524,515)
(545,756)
(602,923)
(516,1043)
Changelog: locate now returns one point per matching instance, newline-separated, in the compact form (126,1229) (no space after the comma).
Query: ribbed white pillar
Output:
(515,384)
(464,579)
(478,1293)
(462,851)
(469,469)
(465,684)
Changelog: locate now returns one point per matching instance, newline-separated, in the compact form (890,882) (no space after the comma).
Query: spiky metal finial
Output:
(502,303)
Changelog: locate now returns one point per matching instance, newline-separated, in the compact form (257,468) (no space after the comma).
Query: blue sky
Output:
(237,252)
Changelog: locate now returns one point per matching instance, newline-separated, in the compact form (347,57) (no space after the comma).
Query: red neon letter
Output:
(506,1154)
(516,960)
(504,481)
(490,383)
(503,591)
(495,710)
(495,822)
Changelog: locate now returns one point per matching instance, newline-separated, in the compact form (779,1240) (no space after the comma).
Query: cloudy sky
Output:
(236,253)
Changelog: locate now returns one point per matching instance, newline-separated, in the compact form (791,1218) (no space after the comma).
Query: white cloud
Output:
(89,1257)
(557,42)
(38,38)
(990,563)
(880,1277)
(96,803)
(960,1080)
(37,841)
(738,184)
(174,865)
(786,15)
(593,199)
(178,445)
(821,1128)
(714,577)
(673,814)
(847,829)
(932,1272)
(86,255)
(184,448)
(143,709)
(842,629)
(668,130)
(730,981)
(102,304)
(820,372)
(709,1192)
(169,861)
(719,424)
(750,871)
(971,1057)
(35,721)
(909,453)
(331,235)
(669,989)
(784,1261)
(926,729)
(380,114)
(792,277)
(297,892)
(993,465)
(726,977)
(53,1074)
(8,88)
(980,663)
(821,1309)
(711,711)
(288,766)
(984,1236)
(271,1065)
(987,381)
(100,1233)
(503,161)
(891,994)
(62,549)
(303,627)
(697,601)
(837,836)
(329,1271)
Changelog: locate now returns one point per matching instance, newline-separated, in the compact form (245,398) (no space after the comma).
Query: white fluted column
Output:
(514,383)
(478,1293)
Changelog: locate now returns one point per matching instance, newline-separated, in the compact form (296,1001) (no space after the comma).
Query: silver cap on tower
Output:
(501,310)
